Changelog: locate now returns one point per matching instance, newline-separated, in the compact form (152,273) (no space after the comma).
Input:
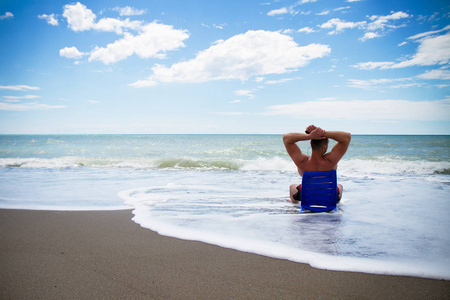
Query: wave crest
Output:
(347,167)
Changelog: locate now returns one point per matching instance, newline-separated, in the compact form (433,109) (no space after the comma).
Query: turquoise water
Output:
(230,190)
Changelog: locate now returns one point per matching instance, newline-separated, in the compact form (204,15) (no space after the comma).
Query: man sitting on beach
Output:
(319,159)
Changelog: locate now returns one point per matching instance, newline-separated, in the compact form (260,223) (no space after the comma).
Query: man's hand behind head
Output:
(310,128)
(317,134)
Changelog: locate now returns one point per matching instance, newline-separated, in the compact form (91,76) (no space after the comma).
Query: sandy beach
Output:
(105,255)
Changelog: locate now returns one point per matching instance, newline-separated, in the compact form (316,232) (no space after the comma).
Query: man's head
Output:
(320,145)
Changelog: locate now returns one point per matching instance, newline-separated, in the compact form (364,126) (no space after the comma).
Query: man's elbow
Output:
(287,139)
(348,137)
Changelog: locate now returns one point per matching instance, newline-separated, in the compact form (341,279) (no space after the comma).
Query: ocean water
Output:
(231,191)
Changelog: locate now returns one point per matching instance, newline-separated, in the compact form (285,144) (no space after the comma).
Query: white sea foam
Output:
(375,231)
(231,191)
(354,167)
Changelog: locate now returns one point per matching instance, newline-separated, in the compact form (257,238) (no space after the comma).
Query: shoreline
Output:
(104,254)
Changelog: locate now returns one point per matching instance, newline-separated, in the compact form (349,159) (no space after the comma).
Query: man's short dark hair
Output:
(318,144)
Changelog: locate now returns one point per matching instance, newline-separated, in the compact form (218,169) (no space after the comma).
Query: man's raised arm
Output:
(290,140)
(343,141)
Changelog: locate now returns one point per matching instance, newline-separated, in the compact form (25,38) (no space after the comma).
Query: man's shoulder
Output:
(302,160)
(332,159)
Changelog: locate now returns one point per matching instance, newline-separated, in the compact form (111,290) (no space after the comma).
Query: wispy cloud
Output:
(129,11)
(27,106)
(283,80)
(215,26)
(432,50)
(369,35)
(383,22)
(306,30)
(339,25)
(50,19)
(367,110)
(374,27)
(323,13)
(291,9)
(17,98)
(435,74)
(14,103)
(428,33)
(7,15)
(19,88)
(281,11)
(246,93)
(255,53)
(372,84)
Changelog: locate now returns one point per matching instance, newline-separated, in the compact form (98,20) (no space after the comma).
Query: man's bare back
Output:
(319,159)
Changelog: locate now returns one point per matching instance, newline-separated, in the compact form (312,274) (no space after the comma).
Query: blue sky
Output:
(368,67)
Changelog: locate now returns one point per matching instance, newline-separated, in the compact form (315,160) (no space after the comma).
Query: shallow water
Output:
(230,190)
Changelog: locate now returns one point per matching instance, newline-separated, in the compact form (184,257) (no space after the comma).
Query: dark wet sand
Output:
(105,255)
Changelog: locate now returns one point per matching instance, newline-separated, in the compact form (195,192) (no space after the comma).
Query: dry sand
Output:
(105,255)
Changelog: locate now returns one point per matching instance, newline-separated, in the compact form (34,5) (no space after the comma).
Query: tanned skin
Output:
(319,160)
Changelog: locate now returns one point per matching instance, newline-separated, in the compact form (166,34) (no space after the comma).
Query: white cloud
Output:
(341,8)
(79,17)
(246,93)
(283,80)
(153,41)
(372,84)
(7,15)
(27,106)
(340,25)
(367,110)
(71,52)
(378,23)
(432,50)
(428,33)
(221,26)
(255,53)
(369,35)
(323,13)
(19,88)
(287,31)
(279,11)
(435,74)
(15,98)
(129,11)
(306,30)
(289,9)
(49,18)
(117,26)
(373,65)
(381,22)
